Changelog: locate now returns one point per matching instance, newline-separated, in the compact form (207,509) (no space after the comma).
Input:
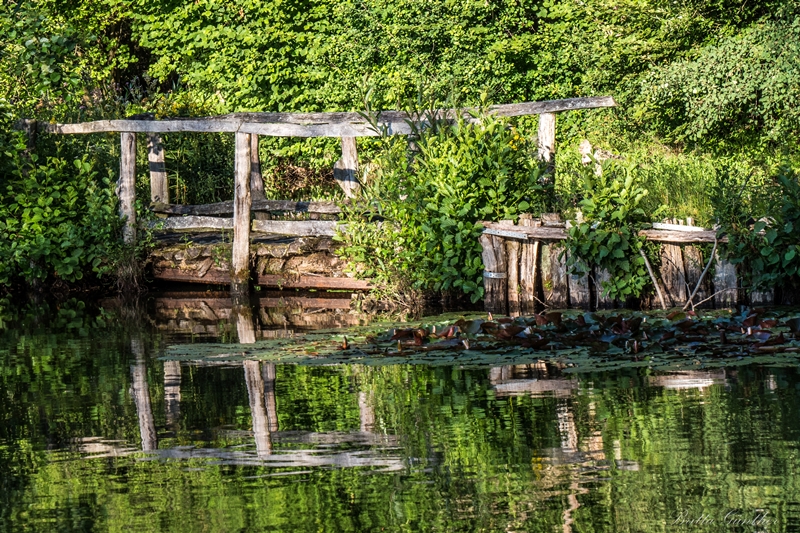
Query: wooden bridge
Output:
(282,253)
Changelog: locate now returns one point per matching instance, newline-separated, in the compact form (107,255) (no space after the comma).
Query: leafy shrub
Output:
(432,199)
(607,237)
(768,248)
(57,219)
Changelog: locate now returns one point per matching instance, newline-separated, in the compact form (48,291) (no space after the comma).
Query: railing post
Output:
(345,171)
(126,186)
(159,186)
(547,139)
(256,180)
(240,253)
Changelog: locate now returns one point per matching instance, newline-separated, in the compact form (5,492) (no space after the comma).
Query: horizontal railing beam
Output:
(316,124)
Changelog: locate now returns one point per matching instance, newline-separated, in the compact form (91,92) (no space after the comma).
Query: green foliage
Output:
(607,237)
(768,247)
(432,199)
(56,218)
(739,89)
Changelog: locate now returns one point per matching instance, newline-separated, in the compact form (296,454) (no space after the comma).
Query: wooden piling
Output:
(694,264)
(345,171)
(725,284)
(159,185)
(672,274)
(512,272)
(554,276)
(126,186)
(494,275)
(579,291)
(528,275)
(240,253)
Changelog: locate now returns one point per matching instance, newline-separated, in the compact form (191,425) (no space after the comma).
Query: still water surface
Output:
(99,434)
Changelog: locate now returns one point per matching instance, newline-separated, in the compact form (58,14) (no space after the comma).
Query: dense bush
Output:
(432,198)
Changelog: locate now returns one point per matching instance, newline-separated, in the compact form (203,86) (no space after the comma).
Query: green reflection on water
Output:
(393,448)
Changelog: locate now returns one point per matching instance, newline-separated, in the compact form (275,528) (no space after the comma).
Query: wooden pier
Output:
(526,270)
(223,243)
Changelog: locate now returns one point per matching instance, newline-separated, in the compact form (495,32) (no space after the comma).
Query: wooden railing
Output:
(248,184)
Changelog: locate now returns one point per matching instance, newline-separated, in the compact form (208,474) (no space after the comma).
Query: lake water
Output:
(99,433)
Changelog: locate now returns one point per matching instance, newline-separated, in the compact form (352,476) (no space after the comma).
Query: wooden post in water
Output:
(528,275)
(126,186)
(694,264)
(554,276)
(345,171)
(494,274)
(159,186)
(725,284)
(512,253)
(547,139)
(579,291)
(672,274)
(240,253)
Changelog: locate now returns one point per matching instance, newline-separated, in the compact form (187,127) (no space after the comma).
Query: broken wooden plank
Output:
(312,282)
(226,208)
(256,179)
(546,139)
(213,276)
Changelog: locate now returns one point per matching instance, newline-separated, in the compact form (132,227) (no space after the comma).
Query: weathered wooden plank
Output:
(546,139)
(256,179)
(315,124)
(725,284)
(603,301)
(494,275)
(677,227)
(554,276)
(345,171)
(307,303)
(528,275)
(512,273)
(240,251)
(192,223)
(694,264)
(681,237)
(226,208)
(315,228)
(126,186)
(159,186)
(312,282)
(191,276)
(672,274)
(550,233)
